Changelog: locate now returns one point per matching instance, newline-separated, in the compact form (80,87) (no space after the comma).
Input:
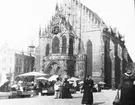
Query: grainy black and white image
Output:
(67,52)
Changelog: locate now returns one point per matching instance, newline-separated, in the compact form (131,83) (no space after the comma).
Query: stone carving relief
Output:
(56,20)
(81,57)
(56,67)
(56,30)
(80,68)
(52,68)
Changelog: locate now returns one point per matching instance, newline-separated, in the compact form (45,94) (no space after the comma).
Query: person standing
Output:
(57,88)
(88,94)
(66,89)
(127,88)
(40,87)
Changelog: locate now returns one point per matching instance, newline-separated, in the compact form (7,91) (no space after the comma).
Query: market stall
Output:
(28,85)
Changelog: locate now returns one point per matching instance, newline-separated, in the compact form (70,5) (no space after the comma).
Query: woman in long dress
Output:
(88,95)
(66,90)
(127,88)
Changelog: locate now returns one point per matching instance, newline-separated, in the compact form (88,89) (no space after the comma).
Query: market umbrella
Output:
(14,86)
(41,78)
(20,82)
(81,82)
(32,74)
(73,79)
(53,78)
(101,83)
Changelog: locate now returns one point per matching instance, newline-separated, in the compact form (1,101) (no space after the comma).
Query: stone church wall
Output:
(104,57)
(95,38)
(42,45)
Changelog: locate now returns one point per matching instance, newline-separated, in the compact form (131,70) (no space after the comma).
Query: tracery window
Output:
(70,46)
(64,44)
(47,50)
(55,45)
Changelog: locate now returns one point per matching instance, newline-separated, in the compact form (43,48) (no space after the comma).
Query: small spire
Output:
(45,30)
(123,38)
(45,27)
(60,8)
(50,20)
(57,7)
(40,31)
(48,26)
(43,33)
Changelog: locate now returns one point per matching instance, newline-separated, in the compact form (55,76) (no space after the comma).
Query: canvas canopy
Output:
(32,74)
(73,79)
(41,78)
(53,78)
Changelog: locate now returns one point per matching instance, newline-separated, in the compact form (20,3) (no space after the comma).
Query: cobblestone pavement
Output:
(100,98)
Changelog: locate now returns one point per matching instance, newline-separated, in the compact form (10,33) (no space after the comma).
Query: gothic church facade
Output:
(77,42)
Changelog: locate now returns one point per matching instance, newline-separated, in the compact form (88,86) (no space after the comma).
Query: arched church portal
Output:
(53,68)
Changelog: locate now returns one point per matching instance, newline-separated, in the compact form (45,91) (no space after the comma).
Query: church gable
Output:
(58,26)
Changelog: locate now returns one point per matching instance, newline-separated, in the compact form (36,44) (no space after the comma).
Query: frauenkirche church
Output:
(77,42)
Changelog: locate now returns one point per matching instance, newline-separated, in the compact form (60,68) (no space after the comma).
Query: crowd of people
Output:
(125,92)
(62,89)
(35,86)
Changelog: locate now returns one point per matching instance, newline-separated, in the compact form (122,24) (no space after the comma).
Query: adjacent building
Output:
(13,62)
(23,63)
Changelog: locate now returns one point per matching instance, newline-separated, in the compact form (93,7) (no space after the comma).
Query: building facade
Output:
(13,62)
(77,42)
(7,60)
(23,63)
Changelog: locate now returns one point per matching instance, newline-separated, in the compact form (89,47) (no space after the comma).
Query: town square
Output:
(67,52)
(104,98)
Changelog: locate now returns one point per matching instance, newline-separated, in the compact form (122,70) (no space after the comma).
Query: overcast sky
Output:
(20,19)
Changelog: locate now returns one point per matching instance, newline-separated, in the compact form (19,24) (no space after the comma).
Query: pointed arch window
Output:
(89,48)
(64,44)
(55,45)
(71,46)
(47,49)
(89,57)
